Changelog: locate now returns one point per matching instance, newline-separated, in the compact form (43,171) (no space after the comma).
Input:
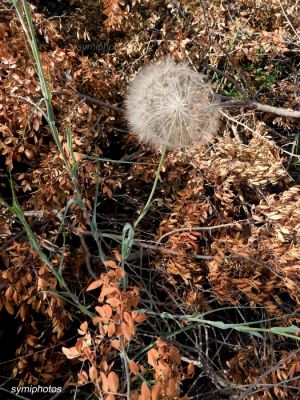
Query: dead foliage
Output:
(223,230)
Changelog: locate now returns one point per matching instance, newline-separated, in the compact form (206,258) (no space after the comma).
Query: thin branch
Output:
(258,106)
(228,77)
(275,110)
(201,228)
(90,99)
(289,21)
(228,103)
(87,258)
(265,374)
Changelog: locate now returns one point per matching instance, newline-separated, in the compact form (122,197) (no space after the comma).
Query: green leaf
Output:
(127,240)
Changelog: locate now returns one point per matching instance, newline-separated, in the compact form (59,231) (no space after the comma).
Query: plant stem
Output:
(161,161)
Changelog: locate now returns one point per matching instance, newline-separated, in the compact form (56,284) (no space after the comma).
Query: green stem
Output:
(161,161)
(150,198)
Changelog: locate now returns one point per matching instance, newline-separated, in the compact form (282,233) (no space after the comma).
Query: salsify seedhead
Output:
(168,103)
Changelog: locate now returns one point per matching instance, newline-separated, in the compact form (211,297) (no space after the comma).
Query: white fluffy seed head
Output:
(168,103)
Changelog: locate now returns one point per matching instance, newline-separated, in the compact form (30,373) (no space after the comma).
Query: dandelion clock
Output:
(170,105)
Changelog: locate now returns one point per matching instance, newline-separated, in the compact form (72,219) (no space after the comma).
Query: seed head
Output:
(168,103)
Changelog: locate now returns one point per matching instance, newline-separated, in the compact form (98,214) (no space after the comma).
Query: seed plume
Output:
(170,104)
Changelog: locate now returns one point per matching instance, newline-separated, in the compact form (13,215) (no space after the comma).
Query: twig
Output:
(238,123)
(172,252)
(162,250)
(12,239)
(210,258)
(291,154)
(266,373)
(275,110)
(87,258)
(228,77)
(124,358)
(231,102)
(200,228)
(90,99)
(289,21)
(212,42)
(260,107)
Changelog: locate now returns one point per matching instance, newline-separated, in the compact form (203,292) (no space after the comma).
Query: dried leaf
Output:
(113,382)
(145,392)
